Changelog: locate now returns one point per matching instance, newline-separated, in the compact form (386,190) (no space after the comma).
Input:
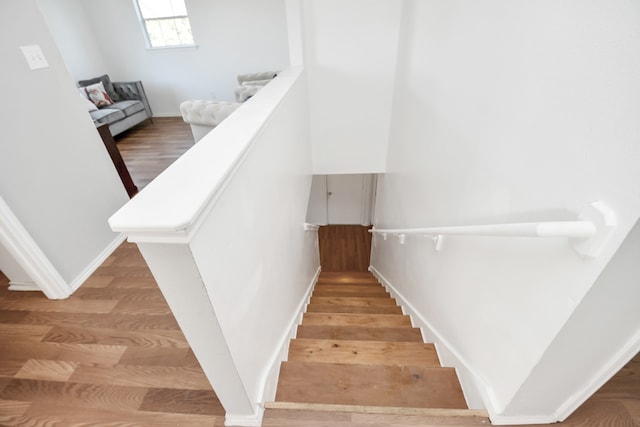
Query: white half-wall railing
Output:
(587,234)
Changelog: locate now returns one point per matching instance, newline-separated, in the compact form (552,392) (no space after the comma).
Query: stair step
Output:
(384,410)
(363,352)
(353,301)
(350,290)
(343,384)
(347,278)
(346,294)
(360,333)
(348,282)
(346,274)
(332,308)
(349,319)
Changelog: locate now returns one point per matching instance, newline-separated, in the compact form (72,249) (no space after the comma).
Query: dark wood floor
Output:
(113,354)
(344,247)
(149,148)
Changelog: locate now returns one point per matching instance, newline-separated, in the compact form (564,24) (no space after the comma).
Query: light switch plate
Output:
(35,57)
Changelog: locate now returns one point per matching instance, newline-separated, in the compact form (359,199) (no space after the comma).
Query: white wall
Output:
(72,32)
(507,112)
(583,347)
(55,174)
(231,255)
(317,206)
(260,263)
(233,36)
(350,57)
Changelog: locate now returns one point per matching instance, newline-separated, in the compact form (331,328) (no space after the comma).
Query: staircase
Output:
(356,352)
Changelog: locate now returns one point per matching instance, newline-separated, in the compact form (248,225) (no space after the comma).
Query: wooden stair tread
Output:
(332,308)
(354,281)
(350,319)
(346,274)
(375,288)
(353,301)
(360,333)
(389,410)
(363,352)
(350,290)
(355,350)
(400,386)
(348,280)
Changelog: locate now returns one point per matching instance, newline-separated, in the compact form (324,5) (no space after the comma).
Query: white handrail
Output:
(587,235)
(571,229)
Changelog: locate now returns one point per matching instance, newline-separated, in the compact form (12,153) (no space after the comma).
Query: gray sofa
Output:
(130,106)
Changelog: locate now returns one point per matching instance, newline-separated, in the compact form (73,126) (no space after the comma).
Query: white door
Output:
(344,194)
(342,199)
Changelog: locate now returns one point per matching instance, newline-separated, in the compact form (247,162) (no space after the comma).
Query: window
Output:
(165,22)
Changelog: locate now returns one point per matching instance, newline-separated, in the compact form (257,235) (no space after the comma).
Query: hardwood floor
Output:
(149,148)
(348,363)
(112,354)
(344,247)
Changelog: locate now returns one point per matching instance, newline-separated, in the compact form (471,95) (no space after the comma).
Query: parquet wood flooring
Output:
(116,357)
(149,148)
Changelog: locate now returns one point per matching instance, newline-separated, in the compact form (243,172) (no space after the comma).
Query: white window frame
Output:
(145,33)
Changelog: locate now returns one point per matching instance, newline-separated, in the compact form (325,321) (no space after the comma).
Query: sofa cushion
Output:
(128,107)
(106,82)
(106,115)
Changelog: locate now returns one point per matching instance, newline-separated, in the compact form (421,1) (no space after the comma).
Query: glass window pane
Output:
(166,22)
(169,32)
(162,8)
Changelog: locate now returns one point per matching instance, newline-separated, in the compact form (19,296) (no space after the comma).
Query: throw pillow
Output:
(106,82)
(98,95)
(90,106)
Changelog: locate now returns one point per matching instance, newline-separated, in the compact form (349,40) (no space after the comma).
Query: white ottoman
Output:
(203,116)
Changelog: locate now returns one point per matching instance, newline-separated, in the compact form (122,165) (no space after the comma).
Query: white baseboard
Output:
(97,262)
(477,394)
(270,380)
(19,243)
(231,420)
(499,420)
(24,287)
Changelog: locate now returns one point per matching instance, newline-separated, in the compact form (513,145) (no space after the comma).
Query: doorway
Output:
(342,199)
